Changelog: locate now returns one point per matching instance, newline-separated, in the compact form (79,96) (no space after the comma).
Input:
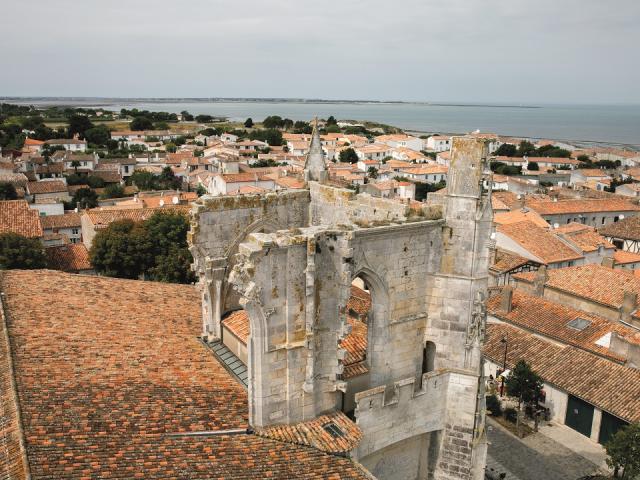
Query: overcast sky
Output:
(544,51)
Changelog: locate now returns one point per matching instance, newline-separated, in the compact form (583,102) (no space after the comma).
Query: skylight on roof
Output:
(334,430)
(579,323)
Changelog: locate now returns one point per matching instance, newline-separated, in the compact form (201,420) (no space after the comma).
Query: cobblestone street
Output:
(535,457)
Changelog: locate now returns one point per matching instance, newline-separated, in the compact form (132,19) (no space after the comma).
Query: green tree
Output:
(97,135)
(7,191)
(168,180)
(161,126)
(204,118)
(271,135)
(533,166)
(143,180)
(332,121)
(524,383)
(248,123)
(95,182)
(122,250)
(348,155)
(174,267)
(372,172)
(623,451)
(506,150)
(168,230)
(115,190)
(526,148)
(273,121)
(75,164)
(200,190)
(333,129)
(141,123)
(79,124)
(186,116)
(17,251)
(86,197)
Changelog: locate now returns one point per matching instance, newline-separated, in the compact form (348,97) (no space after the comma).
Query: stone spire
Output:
(315,168)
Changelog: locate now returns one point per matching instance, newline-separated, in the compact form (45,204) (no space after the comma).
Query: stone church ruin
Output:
(356,322)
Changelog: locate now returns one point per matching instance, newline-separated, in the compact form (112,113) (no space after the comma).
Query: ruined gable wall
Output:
(218,225)
(397,261)
(340,206)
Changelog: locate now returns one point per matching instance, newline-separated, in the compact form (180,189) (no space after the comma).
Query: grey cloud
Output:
(462,50)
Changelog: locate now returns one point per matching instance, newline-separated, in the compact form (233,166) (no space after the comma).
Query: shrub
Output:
(493,405)
(511,414)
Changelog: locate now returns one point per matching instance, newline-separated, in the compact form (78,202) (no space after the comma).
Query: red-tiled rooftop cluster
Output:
(107,369)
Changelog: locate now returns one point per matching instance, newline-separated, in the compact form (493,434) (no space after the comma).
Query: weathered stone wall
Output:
(396,262)
(219,225)
(427,275)
(388,415)
(339,206)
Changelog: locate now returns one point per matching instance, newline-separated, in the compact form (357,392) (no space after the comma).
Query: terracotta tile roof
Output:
(242,177)
(47,186)
(509,199)
(359,301)
(592,172)
(627,228)
(314,433)
(507,261)
(289,182)
(590,205)
(594,282)
(73,257)
(50,168)
(68,220)
(621,257)
(586,238)
(101,218)
(32,142)
(550,319)
(238,323)
(65,141)
(17,217)
(103,406)
(13,461)
(601,382)
(426,170)
(520,215)
(539,242)
(109,176)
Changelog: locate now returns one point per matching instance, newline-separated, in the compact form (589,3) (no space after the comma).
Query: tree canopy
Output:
(7,191)
(248,123)
(141,123)
(79,124)
(17,251)
(348,155)
(86,197)
(155,249)
(524,383)
(623,450)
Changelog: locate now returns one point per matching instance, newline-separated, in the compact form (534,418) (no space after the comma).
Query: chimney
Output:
(628,306)
(506,299)
(519,202)
(539,281)
(608,262)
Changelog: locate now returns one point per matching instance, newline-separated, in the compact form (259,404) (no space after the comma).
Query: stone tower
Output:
(413,406)
(315,168)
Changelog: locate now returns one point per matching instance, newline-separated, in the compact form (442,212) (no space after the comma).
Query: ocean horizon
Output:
(581,124)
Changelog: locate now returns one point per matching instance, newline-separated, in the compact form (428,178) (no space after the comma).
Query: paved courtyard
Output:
(536,457)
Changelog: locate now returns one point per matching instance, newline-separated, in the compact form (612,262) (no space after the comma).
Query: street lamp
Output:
(503,340)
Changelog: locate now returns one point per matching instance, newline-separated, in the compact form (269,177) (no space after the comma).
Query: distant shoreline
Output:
(64,101)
